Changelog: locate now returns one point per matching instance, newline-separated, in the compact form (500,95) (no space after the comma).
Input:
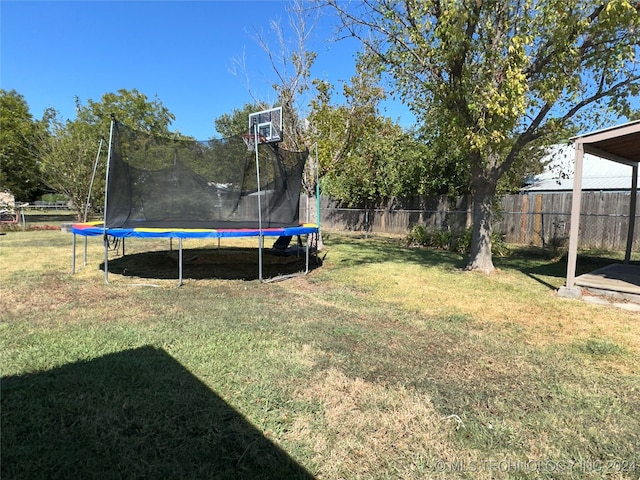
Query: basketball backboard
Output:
(269,124)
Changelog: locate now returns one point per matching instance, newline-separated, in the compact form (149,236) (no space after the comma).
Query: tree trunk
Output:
(483,194)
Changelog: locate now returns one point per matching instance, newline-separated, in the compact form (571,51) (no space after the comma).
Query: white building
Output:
(598,173)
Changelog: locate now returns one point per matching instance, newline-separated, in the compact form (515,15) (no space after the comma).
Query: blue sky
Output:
(181,51)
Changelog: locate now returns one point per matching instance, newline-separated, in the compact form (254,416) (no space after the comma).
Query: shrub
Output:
(420,236)
(460,242)
(557,247)
(443,239)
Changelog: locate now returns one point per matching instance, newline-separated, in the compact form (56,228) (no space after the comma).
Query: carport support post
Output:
(574,231)
(632,213)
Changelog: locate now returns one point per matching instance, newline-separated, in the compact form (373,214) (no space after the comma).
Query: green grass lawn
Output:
(385,362)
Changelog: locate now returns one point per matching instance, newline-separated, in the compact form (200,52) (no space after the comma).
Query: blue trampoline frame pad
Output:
(92,229)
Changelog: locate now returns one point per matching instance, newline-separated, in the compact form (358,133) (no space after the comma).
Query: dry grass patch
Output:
(369,430)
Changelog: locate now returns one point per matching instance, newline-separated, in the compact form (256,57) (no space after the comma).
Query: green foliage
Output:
(419,236)
(237,122)
(557,247)
(384,163)
(445,165)
(364,157)
(53,197)
(460,242)
(130,107)
(67,156)
(463,242)
(19,137)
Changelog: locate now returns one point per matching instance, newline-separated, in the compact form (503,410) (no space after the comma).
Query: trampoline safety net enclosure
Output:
(157,182)
(175,187)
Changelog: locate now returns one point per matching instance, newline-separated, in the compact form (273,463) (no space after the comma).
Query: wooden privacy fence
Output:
(529,218)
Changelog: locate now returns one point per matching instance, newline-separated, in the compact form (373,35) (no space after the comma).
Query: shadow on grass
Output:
(537,263)
(226,263)
(358,249)
(133,414)
(234,263)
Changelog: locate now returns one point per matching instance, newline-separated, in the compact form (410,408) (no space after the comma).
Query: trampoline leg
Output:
(106,260)
(73,256)
(180,262)
(260,245)
(85,251)
(306,268)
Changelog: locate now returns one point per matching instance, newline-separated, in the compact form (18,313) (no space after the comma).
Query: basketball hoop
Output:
(249,141)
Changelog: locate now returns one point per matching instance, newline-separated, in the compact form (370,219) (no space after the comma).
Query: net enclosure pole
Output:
(93,177)
(106,199)
(86,204)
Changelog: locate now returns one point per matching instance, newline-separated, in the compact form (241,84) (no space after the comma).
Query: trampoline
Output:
(176,188)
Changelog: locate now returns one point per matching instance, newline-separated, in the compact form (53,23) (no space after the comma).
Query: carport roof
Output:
(620,144)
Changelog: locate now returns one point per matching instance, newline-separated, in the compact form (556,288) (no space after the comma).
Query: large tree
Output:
(131,107)
(494,77)
(67,154)
(19,171)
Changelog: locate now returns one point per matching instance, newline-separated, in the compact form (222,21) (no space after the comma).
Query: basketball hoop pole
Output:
(266,127)
(260,234)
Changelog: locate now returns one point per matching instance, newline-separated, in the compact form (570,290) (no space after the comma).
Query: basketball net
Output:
(249,141)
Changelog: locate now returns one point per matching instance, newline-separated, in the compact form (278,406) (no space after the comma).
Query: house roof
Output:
(609,154)
(598,173)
